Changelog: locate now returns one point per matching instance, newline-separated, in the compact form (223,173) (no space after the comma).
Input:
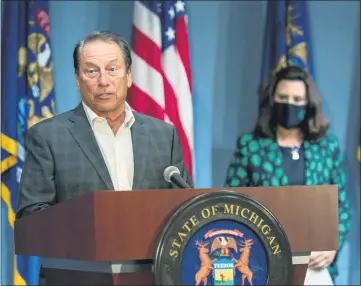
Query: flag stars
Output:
(179,6)
(171,13)
(159,8)
(170,33)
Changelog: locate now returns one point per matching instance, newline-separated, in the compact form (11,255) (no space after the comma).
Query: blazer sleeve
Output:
(338,177)
(237,173)
(37,188)
(178,159)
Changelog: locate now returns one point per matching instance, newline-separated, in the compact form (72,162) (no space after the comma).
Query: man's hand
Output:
(321,259)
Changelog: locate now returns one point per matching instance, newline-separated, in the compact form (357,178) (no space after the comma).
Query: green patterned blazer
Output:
(259,162)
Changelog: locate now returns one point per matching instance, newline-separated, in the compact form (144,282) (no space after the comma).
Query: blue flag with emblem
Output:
(27,98)
(287,37)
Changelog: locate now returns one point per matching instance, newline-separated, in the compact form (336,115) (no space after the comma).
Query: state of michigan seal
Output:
(223,238)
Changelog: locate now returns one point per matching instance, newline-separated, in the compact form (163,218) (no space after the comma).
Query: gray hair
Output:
(104,36)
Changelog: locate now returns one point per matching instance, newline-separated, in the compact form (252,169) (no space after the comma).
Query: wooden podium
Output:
(108,237)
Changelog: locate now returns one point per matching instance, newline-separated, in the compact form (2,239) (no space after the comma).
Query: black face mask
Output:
(289,115)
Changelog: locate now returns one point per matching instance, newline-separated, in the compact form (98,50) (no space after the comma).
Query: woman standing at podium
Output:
(290,145)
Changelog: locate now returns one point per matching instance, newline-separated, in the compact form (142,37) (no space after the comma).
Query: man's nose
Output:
(103,79)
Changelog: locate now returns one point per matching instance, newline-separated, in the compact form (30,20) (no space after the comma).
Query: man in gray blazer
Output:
(101,144)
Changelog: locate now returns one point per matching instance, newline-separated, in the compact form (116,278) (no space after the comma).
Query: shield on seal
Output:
(223,272)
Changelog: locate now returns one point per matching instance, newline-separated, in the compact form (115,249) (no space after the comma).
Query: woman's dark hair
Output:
(317,125)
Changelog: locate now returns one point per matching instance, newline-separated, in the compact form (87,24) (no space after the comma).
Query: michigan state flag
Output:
(287,38)
(26,98)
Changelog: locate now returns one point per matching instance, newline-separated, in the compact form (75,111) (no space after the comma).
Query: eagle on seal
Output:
(224,244)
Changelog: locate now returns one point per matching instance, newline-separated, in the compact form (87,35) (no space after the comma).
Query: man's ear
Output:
(77,81)
(129,78)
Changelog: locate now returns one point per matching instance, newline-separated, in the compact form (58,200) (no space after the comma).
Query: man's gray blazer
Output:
(63,159)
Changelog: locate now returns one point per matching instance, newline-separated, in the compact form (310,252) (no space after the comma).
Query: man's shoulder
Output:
(153,123)
(51,124)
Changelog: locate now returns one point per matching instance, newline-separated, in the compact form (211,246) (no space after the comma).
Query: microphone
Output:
(172,175)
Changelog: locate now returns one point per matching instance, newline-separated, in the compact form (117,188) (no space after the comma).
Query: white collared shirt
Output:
(117,150)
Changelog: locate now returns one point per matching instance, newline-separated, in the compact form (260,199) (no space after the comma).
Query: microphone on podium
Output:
(172,175)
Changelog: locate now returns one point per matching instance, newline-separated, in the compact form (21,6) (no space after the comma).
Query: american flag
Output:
(161,71)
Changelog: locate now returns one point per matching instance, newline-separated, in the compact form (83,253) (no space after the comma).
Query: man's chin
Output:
(105,108)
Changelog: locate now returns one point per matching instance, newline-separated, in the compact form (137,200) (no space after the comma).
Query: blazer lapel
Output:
(83,134)
(309,174)
(140,140)
(273,158)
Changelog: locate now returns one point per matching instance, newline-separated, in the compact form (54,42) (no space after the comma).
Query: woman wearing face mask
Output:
(290,145)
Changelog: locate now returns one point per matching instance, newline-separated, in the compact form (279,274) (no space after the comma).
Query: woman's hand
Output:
(321,259)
